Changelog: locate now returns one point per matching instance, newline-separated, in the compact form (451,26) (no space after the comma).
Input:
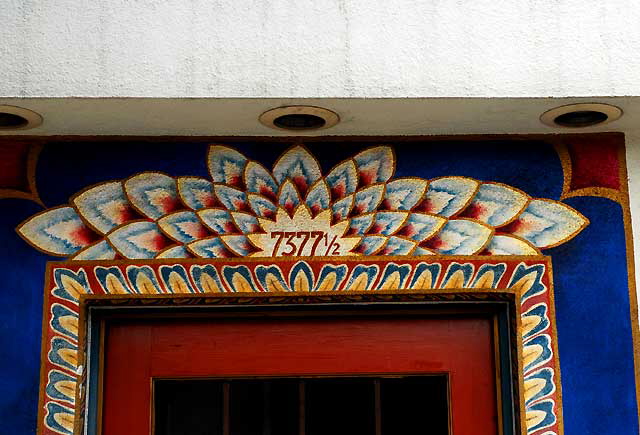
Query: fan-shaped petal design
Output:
(261,206)
(502,244)
(63,353)
(420,226)
(343,179)
(356,209)
(271,279)
(104,206)
(403,193)
(547,223)
(61,386)
(175,279)
(239,245)
(247,223)
(361,224)
(174,252)
(342,208)
(375,165)
(206,279)
(540,415)
(197,193)
(460,237)
(318,198)
(370,245)
(259,180)
(231,198)
(458,275)
(537,351)
(447,196)
(70,285)
(57,231)
(394,276)
(425,276)
(398,246)
(218,220)
(152,193)
(298,165)
(239,278)
(331,277)
(226,165)
(362,277)
(496,204)
(183,226)
(368,199)
(143,279)
(64,321)
(538,385)
(139,239)
(211,247)
(535,320)
(59,419)
(100,250)
(301,278)
(388,222)
(489,275)
(288,197)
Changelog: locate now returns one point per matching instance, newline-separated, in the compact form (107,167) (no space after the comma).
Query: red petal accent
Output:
(268,193)
(425,206)
(83,236)
(338,191)
(170,203)
(301,184)
(407,231)
(367,177)
(433,243)
(474,211)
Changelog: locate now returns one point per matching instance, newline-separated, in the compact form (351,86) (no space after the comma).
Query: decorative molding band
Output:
(70,285)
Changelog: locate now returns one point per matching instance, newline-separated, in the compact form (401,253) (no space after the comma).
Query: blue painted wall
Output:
(590,275)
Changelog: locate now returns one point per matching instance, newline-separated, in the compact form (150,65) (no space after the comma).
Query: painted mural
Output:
(244,210)
(476,217)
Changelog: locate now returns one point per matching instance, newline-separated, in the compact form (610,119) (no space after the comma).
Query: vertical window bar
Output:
(378,406)
(266,415)
(302,424)
(226,412)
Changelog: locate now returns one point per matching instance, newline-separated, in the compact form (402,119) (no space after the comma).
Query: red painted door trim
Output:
(138,350)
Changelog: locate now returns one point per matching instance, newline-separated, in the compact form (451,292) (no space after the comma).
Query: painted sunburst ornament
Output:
(245,210)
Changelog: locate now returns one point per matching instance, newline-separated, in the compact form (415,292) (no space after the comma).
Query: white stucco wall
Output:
(327,48)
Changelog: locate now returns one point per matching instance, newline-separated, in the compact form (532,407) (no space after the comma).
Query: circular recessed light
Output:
(581,115)
(299,118)
(18,118)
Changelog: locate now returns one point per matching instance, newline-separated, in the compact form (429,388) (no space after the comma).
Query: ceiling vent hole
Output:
(299,118)
(18,118)
(300,121)
(581,115)
(9,120)
(581,118)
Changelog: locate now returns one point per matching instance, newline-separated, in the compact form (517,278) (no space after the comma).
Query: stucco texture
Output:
(333,48)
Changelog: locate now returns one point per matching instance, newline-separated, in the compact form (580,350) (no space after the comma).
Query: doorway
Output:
(364,370)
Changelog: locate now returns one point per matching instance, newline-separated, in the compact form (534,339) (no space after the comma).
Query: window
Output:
(302,406)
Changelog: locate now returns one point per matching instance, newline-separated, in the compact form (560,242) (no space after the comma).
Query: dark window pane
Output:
(264,407)
(246,408)
(188,408)
(340,407)
(414,405)
(282,407)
